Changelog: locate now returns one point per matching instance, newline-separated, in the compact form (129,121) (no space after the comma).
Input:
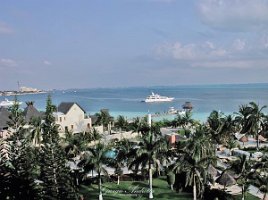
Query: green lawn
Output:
(129,190)
(248,197)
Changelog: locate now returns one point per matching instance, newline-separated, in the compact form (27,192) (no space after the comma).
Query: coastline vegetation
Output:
(36,163)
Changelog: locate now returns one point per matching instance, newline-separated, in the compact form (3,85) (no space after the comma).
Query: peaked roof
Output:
(4,117)
(226,179)
(212,171)
(64,107)
(261,138)
(30,111)
(244,138)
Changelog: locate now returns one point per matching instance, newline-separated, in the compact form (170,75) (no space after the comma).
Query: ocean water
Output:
(127,101)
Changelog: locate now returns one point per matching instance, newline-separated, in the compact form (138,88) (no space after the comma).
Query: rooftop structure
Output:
(72,117)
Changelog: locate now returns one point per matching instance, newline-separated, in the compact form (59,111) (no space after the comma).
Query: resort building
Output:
(28,89)
(70,116)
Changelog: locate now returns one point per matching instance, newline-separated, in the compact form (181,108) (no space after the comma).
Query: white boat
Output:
(173,111)
(157,98)
(7,103)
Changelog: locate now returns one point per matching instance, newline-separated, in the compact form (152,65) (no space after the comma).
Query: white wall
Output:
(74,119)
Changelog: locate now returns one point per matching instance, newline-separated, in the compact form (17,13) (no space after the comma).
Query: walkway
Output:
(256,192)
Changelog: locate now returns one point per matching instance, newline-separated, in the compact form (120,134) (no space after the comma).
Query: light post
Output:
(150,165)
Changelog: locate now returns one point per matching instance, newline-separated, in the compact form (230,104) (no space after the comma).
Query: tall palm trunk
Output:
(77,181)
(243,192)
(150,165)
(118,179)
(264,196)
(100,193)
(194,189)
(150,181)
(258,142)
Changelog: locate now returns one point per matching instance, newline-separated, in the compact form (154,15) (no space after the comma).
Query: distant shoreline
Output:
(14,93)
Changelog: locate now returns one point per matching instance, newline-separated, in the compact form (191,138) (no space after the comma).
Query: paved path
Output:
(256,192)
(235,190)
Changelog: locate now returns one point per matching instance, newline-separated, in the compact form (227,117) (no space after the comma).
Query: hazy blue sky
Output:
(117,43)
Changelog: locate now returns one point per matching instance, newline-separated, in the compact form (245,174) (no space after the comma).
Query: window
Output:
(60,119)
(72,126)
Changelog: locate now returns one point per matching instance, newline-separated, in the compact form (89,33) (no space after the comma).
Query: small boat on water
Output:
(157,98)
(7,103)
(173,111)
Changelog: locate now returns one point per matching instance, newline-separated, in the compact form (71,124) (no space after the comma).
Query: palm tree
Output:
(75,144)
(95,158)
(196,172)
(138,124)
(184,120)
(121,123)
(214,121)
(122,149)
(251,119)
(194,157)
(104,118)
(150,153)
(201,144)
(170,177)
(256,118)
(91,135)
(265,125)
(242,166)
(36,131)
(242,118)
(221,127)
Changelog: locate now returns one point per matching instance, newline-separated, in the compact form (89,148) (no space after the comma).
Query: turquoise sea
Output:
(127,101)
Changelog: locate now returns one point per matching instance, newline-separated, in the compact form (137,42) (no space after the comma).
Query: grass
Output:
(129,190)
(138,190)
(248,197)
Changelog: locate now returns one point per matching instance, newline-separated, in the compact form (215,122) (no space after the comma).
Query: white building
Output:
(28,89)
(70,116)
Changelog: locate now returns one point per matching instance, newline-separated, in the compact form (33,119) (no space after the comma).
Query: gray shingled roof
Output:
(64,107)
(4,117)
(29,112)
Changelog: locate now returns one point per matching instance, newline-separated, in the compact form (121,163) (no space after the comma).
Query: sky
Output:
(60,44)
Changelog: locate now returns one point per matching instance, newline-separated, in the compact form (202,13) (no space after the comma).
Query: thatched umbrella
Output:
(243,139)
(226,179)
(261,138)
(187,105)
(4,117)
(212,171)
(30,111)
